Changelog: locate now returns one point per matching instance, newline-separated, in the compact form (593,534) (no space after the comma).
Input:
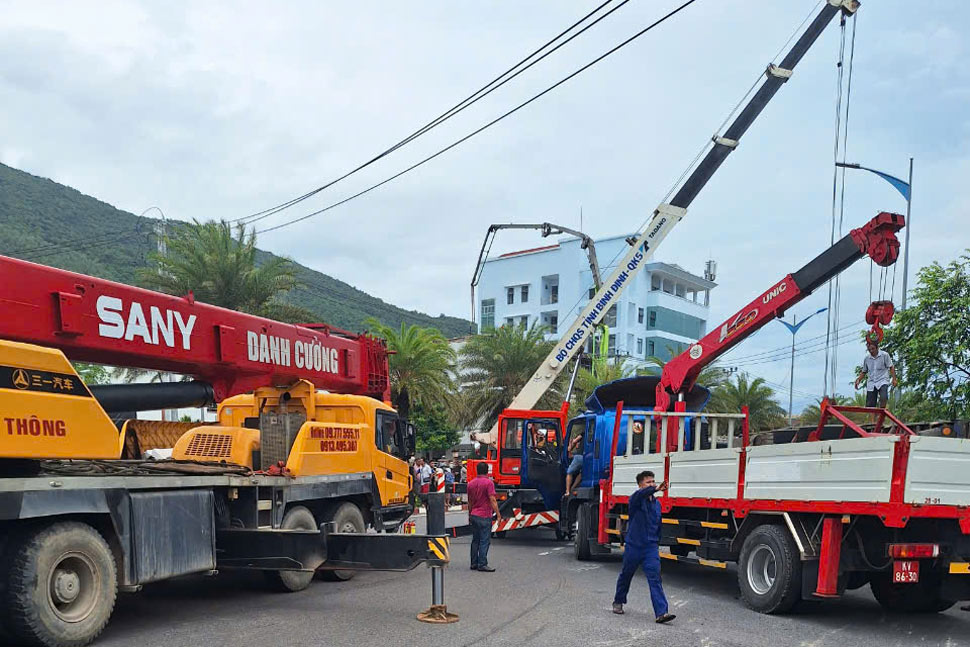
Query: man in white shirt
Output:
(878,369)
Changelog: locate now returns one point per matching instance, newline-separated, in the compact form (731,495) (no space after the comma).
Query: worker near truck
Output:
(878,369)
(481,505)
(575,469)
(643,547)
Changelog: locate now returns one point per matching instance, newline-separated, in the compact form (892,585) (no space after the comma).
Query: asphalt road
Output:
(539,596)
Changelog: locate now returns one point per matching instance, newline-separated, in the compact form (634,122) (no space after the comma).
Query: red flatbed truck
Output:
(836,508)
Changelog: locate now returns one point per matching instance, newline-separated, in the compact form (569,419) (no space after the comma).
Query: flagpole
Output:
(909,226)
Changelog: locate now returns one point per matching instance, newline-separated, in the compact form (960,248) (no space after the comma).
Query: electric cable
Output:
(468,101)
(491,123)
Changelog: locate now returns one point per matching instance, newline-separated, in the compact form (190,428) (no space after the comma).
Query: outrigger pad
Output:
(639,392)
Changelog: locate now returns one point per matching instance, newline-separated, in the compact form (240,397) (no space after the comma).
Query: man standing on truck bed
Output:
(643,547)
(877,368)
(481,505)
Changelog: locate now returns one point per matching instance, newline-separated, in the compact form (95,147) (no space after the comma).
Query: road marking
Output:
(545,553)
(560,548)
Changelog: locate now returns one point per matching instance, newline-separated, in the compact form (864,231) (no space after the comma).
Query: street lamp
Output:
(906,190)
(793,328)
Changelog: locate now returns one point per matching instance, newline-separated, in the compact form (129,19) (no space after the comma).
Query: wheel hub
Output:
(73,587)
(762,569)
(67,586)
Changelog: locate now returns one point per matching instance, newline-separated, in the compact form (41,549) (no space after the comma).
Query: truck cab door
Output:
(542,458)
(392,471)
(509,452)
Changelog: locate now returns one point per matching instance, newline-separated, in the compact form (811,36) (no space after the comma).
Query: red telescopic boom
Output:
(95,320)
(876,239)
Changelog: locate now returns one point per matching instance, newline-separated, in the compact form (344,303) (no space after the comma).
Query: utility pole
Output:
(793,329)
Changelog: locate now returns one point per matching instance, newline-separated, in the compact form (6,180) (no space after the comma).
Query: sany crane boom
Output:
(96,320)
(669,214)
(876,239)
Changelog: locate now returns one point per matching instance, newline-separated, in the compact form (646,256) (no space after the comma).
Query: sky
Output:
(213,110)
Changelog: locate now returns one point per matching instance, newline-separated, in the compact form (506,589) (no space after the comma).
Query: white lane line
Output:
(545,553)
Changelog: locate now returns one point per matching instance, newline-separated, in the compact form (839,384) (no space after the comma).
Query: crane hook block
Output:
(877,238)
(878,314)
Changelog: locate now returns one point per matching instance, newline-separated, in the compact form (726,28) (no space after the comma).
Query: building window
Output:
(610,318)
(639,315)
(651,351)
(524,321)
(592,293)
(510,295)
(525,294)
(488,314)
(548,292)
(551,321)
(655,282)
(676,322)
(509,321)
(611,346)
(629,344)
(639,346)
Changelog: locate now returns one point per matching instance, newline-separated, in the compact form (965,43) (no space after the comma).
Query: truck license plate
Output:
(905,571)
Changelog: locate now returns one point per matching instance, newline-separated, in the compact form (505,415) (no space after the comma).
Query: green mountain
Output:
(46,222)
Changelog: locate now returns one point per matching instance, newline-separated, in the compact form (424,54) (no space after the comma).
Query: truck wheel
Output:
(61,587)
(347,518)
(920,597)
(296,518)
(584,519)
(770,570)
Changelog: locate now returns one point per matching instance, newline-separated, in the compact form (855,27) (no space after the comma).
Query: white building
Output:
(663,310)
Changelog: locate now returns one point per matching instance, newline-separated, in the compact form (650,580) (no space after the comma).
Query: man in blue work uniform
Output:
(643,547)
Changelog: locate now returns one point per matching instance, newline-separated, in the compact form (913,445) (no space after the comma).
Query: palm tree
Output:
(497,364)
(220,268)
(420,364)
(811,414)
(710,377)
(763,411)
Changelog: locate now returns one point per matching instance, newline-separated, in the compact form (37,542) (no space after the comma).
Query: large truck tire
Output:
(296,518)
(347,517)
(919,597)
(584,522)
(60,587)
(770,570)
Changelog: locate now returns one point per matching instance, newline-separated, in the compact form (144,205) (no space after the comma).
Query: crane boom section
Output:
(668,215)
(876,239)
(96,320)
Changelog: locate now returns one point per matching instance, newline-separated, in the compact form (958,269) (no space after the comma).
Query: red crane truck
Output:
(836,508)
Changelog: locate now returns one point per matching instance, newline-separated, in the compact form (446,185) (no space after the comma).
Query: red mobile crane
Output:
(305,455)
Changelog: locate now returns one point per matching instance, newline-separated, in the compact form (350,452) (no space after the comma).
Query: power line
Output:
(489,124)
(471,99)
